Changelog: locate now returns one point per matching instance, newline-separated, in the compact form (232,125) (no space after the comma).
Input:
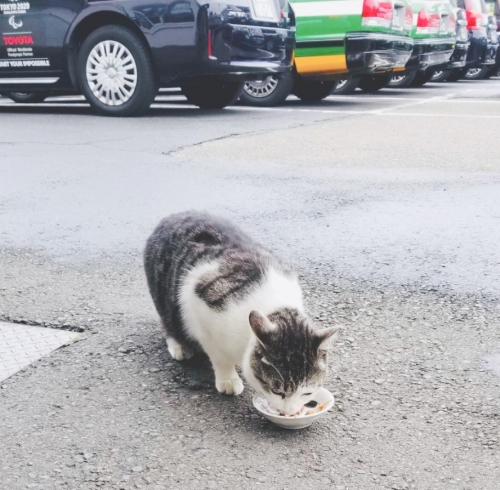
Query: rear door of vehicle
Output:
(33,35)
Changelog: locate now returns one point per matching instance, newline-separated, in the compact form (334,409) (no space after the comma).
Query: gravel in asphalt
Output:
(398,247)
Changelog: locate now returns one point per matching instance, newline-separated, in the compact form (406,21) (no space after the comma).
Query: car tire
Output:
(402,81)
(269,92)
(27,97)
(492,72)
(476,73)
(456,74)
(346,87)
(312,90)
(374,83)
(129,88)
(213,94)
(440,75)
(421,78)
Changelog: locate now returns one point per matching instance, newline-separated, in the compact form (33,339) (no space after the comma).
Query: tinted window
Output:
(180,11)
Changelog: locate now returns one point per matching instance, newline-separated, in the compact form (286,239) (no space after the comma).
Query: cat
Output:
(217,290)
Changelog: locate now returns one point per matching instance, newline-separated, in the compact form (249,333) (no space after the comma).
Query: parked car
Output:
(459,57)
(339,39)
(434,41)
(119,52)
(493,7)
(481,55)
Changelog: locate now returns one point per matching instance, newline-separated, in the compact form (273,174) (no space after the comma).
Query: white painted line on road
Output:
(286,109)
(371,97)
(473,100)
(454,116)
(279,109)
(45,104)
(394,99)
(155,105)
(437,98)
(357,113)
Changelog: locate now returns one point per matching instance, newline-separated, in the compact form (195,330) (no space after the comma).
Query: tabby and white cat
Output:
(216,289)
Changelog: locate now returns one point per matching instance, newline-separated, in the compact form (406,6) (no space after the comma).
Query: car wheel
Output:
(347,86)
(27,97)
(312,90)
(421,78)
(212,94)
(373,83)
(476,73)
(268,92)
(440,75)
(115,72)
(492,71)
(456,74)
(402,81)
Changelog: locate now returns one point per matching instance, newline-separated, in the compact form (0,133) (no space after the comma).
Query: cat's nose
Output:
(292,410)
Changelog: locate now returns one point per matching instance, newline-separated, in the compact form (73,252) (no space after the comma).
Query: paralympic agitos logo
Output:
(21,40)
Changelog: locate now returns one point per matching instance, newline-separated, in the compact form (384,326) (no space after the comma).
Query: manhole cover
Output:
(20,345)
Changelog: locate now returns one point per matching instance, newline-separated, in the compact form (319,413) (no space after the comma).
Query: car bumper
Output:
(481,52)
(373,52)
(459,57)
(246,52)
(430,52)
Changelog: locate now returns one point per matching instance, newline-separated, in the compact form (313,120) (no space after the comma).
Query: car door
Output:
(33,35)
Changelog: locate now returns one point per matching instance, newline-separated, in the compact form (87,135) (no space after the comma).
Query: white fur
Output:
(177,351)
(290,405)
(226,335)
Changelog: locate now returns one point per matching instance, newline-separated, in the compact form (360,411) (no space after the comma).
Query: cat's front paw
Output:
(178,351)
(232,386)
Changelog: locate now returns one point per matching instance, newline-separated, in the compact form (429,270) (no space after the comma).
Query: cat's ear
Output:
(261,326)
(323,337)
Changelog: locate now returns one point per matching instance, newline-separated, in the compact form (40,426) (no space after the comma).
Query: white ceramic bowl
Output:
(322,396)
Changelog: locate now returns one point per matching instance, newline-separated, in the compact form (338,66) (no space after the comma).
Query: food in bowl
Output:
(323,402)
(310,408)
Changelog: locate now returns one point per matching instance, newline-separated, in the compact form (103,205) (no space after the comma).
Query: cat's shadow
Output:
(196,375)
(197,371)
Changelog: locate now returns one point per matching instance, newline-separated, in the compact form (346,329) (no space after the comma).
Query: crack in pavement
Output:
(210,140)
(253,133)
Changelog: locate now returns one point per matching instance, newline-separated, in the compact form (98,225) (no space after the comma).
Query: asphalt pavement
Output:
(387,205)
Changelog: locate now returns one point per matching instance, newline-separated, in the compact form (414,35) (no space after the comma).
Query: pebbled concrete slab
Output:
(20,345)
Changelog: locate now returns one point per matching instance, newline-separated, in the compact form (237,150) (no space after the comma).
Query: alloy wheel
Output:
(111,73)
(261,88)
(398,78)
(341,84)
(472,72)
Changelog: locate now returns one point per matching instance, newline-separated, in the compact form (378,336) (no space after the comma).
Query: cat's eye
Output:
(306,394)
(278,393)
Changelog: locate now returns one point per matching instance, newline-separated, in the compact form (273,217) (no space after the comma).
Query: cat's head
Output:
(288,362)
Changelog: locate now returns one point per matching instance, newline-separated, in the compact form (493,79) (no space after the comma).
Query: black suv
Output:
(119,52)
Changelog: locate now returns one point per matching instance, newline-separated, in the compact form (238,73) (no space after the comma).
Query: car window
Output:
(180,11)
(474,5)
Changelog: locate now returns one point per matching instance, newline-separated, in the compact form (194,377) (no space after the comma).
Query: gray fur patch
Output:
(182,241)
(290,355)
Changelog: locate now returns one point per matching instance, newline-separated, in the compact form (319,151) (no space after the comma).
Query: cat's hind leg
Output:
(178,351)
